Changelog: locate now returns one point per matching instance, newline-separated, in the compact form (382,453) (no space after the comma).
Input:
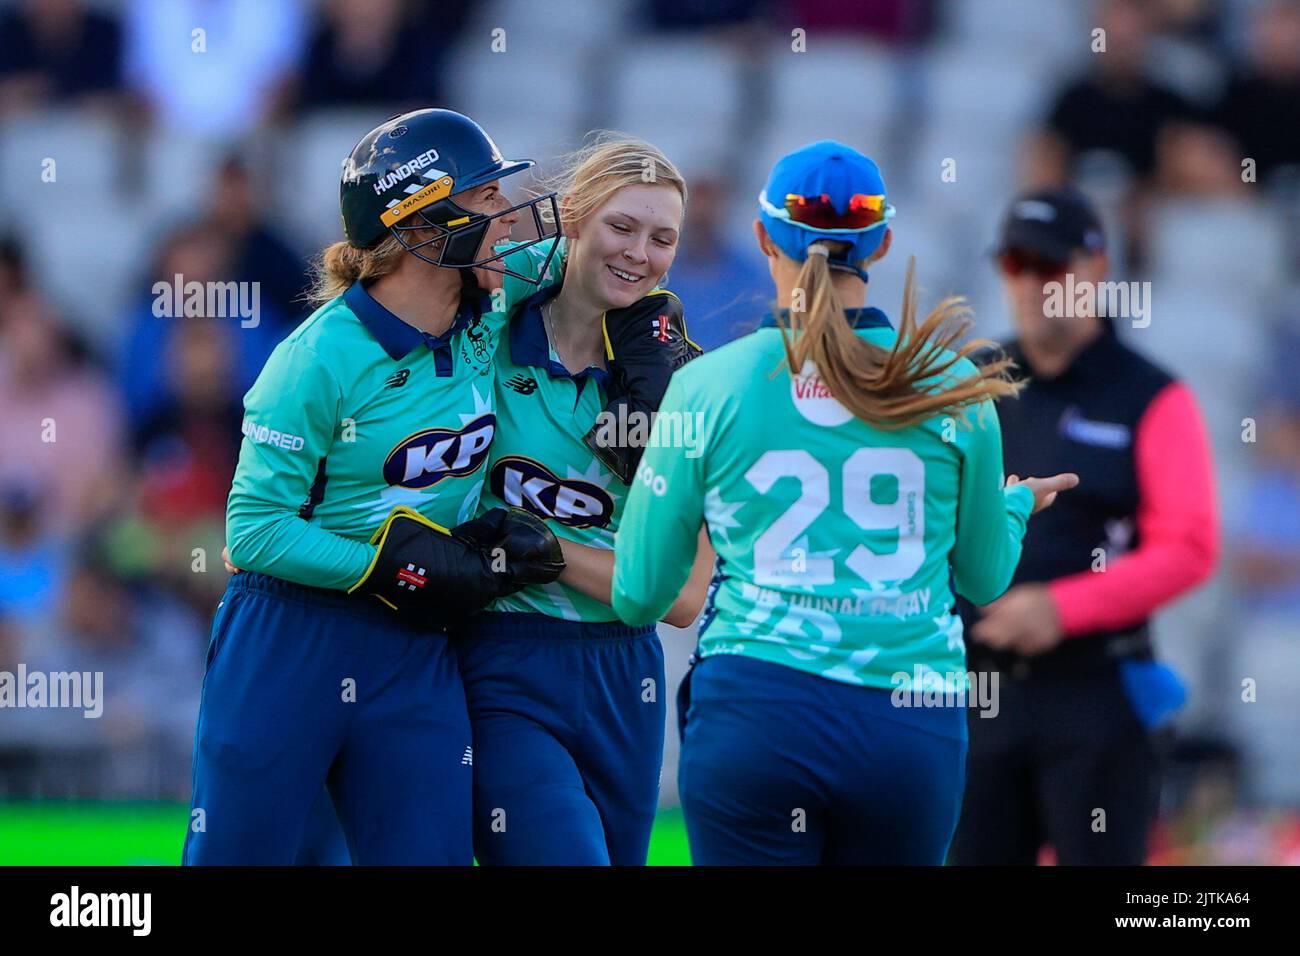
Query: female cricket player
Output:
(845,504)
(329,662)
(566,701)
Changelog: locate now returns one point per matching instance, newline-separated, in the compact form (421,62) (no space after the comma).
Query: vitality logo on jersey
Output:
(573,502)
(813,400)
(429,456)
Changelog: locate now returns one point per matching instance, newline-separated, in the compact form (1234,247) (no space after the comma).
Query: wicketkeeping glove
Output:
(520,541)
(434,577)
(644,343)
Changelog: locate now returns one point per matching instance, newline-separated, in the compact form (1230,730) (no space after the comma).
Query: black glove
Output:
(645,343)
(520,545)
(434,577)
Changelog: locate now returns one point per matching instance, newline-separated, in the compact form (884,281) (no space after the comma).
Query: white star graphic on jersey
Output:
(482,406)
(763,607)
(847,670)
(598,476)
(562,602)
(720,515)
(595,473)
(878,589)
(393,496)
(950,626)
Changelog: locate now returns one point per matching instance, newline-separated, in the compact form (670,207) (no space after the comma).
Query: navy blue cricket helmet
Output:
(401,178)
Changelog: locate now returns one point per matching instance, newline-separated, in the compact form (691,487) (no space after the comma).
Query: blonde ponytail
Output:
(882,386)
(340,264)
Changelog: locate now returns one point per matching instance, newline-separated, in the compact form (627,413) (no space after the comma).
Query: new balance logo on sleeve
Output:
(468,759)
(398,378)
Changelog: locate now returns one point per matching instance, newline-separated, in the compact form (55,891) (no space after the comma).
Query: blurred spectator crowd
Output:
(149,139)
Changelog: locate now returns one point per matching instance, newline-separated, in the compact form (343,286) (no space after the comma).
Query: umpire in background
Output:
(1069,760)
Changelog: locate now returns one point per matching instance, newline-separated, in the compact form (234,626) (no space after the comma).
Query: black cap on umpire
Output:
(1053,224)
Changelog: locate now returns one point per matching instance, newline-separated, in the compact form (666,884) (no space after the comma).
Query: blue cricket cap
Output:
(837,171)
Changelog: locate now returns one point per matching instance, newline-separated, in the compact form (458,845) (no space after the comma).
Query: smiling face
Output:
(626,246)
(488,200)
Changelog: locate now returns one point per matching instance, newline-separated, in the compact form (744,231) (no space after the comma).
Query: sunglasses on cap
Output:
(1016,262)
(818,212)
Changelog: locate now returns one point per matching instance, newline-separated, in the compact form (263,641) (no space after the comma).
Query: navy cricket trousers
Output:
(308,688)
(568,722)
(783,767)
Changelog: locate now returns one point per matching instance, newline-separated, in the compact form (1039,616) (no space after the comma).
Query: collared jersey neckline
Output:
(530,346)
(868,317)
(399,338)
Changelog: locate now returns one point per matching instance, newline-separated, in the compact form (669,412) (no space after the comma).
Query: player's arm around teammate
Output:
(567,702)
(842,495)
(328,662)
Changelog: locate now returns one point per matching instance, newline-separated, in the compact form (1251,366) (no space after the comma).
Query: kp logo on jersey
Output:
(429,456)
(530,485)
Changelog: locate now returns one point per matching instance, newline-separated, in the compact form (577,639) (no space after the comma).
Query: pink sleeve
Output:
(1177,524)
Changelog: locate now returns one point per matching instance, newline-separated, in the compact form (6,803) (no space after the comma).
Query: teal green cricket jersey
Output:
(354,413)
(836,540)
(539,461)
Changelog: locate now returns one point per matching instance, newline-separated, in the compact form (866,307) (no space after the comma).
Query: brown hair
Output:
(883,386)
(341,263)
(588,176)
